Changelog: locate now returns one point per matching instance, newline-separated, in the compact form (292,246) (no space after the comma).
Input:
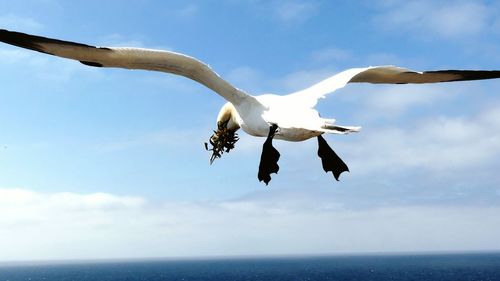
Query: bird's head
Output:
(224,138)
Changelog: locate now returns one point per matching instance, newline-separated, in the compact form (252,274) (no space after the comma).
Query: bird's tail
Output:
(342,130)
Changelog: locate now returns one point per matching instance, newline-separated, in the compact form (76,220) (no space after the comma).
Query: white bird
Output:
(291,117)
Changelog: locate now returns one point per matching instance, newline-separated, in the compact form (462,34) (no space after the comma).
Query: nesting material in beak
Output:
(222,140)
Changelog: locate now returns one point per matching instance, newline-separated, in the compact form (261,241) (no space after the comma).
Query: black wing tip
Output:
(468,75)
(22,40)
(33,42)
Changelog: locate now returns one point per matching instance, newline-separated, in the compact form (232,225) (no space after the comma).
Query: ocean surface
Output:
(456,267)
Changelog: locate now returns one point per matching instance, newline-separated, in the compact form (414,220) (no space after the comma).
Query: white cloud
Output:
(392,100)
(94,201)
(27,208)
(303,79)
(385,59)
(287,12)
(67,225)
(43,67)
(246,78)
(332,60)
(119,40)
(434,144)
(255,82)
(331,54)
(449,19)
(13,55)
(164,138)
(15,22)
(188,11)
(294,11)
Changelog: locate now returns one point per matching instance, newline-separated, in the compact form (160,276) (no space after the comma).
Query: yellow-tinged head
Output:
(228,116)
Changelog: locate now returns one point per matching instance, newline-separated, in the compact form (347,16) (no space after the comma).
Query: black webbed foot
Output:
(269,157)
(330,160)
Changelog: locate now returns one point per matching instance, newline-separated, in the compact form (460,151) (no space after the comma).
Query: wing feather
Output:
(386,75)
(398,75)
(130,58)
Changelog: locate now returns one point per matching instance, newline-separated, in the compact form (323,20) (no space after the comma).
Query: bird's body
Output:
(288,117)
(297,121)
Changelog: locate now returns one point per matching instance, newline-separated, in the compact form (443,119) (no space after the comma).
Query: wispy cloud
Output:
(448,19)
(247,79)
(331,54)
(302,79)
(165,138)
(13,55)
(45,68)
(119,40)
(16,22)
(291,11)
(70,225)
(391,101)
(286,12)
(433,144)
(188,11)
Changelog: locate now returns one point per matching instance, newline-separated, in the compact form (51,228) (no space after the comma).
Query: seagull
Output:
(290,117)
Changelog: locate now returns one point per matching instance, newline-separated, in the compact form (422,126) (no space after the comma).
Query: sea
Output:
(442,267)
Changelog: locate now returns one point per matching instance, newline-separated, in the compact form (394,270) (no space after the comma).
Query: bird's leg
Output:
(330,160)
(269,157)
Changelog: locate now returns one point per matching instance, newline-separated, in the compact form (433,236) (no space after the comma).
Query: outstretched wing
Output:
(388,75)
(130,58)
(398,75)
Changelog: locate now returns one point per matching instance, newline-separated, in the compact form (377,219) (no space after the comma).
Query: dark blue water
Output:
(456,267)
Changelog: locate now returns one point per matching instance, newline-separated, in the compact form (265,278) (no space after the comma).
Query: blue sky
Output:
(110,163)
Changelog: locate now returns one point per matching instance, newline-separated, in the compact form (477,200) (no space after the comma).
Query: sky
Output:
(110,163)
